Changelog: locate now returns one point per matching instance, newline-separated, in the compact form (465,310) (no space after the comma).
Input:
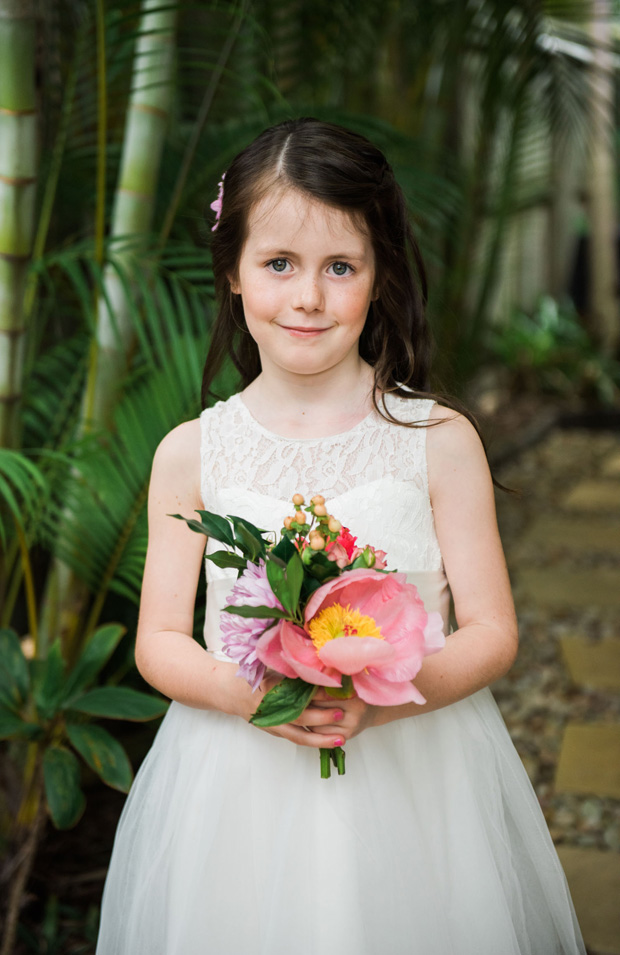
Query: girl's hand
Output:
(356,715)
(325,723)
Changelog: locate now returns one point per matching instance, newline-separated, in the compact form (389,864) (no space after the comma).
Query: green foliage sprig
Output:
(43,704)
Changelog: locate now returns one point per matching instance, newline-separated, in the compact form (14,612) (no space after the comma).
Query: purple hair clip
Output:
(217,204)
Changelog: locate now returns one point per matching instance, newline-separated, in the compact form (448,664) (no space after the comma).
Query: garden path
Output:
(561,701)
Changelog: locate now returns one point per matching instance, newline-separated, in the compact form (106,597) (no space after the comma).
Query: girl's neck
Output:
(297,408)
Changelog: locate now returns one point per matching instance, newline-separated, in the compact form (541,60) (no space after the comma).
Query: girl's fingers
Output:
(319,716)
(303,738)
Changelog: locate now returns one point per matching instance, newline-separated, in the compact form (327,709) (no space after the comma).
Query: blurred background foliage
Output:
(117,120)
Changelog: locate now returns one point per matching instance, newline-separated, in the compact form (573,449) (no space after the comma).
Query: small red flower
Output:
(345,539)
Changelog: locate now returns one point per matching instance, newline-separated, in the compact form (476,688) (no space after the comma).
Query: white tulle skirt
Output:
(433,843)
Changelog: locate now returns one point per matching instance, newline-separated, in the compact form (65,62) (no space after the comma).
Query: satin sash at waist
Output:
(432,586)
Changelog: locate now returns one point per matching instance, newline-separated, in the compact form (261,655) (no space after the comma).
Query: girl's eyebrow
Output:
(284,253)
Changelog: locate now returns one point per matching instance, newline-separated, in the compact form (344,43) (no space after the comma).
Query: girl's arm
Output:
(485,645)
(461,490)
(167,656)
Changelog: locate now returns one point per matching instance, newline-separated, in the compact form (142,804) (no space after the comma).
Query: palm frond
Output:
(22,484)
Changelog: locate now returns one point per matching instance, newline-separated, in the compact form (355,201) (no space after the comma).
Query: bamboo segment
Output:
(145,130)
(18,165)
(602,182)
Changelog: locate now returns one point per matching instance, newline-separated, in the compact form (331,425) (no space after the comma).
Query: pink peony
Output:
(370,626)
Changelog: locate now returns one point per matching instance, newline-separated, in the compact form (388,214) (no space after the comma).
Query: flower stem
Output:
(338,756)
(326,769)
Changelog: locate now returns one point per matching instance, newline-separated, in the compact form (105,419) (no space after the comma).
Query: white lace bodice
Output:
(373,477)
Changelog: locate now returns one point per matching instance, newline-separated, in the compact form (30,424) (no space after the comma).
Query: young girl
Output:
(230,843)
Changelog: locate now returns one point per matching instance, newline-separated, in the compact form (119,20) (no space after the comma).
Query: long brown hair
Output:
(345,170)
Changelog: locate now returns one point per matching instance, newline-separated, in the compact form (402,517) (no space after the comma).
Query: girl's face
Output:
(306,277)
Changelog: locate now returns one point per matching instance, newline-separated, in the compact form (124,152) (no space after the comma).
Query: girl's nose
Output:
(308,293)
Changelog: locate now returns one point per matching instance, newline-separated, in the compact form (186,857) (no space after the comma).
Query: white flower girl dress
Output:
(433,843)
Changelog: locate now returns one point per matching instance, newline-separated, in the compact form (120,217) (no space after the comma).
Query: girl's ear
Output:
(234,285)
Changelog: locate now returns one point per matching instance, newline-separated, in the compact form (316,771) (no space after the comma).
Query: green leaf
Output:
(321,567)
(224,558)
(285,702)
(49,681)
(61,773)
(103,753)
(13,727)
(249,542)
(14,677)
(310,584)
(277,581)
(210,524)
(251,528)
(284,549)
(260,613)
(95,654)
(120,703)
(22,485)
(294,577)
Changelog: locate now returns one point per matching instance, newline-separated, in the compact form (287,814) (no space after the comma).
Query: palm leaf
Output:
(22,484)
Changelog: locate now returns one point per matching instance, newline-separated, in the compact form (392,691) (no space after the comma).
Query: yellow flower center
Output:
(338,621)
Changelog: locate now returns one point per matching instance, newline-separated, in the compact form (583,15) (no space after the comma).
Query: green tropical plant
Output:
(551,351)
(50,712)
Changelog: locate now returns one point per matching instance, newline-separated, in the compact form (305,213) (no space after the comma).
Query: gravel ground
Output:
(537,698)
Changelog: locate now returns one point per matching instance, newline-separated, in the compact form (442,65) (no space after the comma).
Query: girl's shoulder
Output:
(177,458)
(181,444)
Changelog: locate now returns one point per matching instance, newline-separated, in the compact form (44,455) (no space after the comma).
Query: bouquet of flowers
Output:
(321,612)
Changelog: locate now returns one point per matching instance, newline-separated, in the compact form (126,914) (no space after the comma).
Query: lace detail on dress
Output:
(377,471)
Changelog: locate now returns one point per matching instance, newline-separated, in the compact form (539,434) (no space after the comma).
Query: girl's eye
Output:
(341,268)
(278,265)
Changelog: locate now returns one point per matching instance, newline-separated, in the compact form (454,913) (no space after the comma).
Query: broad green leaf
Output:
(260,613)
(61,773)
(294,578)
(225,558)
(94,655)
(13,727)
(48,682)
(14,677)
(278,584)
(284,549)
(251,544)
(103,753)
(120,703)
(210,524)
(252,528)
(285,702)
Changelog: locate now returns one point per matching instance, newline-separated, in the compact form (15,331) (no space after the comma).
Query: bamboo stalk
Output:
(134,202)
(18,163)
(602,182)
(147,120)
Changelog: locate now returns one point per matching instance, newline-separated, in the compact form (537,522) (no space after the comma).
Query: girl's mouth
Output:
(301,332)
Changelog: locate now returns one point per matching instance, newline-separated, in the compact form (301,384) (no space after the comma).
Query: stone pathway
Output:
(561,700)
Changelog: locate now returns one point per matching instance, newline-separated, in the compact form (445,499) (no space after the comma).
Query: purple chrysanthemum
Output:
(240,634)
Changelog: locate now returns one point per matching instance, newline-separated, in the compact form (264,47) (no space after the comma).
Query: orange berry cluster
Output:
(326,528)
